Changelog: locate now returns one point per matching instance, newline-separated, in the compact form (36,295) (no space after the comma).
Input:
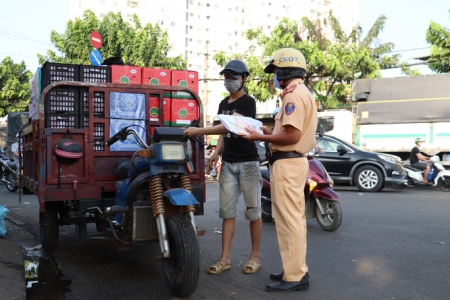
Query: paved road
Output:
(391,245)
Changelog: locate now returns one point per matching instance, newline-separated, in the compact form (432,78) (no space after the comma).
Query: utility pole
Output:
(205,92)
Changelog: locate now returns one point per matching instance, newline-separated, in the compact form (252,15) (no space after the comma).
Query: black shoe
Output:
(279,276)
(285,286)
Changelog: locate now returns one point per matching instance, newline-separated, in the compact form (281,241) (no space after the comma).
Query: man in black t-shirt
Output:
(420,161)
(240,171)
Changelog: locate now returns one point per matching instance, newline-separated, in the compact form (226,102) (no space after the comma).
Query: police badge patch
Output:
(289,108)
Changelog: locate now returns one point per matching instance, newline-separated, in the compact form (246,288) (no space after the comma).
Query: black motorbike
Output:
(8,173)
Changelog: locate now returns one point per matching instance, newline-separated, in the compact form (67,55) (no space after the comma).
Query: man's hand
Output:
(212,161)
(191,132)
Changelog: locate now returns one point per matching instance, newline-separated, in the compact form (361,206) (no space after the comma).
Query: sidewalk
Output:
(12,272)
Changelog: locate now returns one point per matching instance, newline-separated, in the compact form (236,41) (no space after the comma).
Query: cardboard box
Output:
(184,79)
(126,74)
(153,111)
(183,112)
(157,76)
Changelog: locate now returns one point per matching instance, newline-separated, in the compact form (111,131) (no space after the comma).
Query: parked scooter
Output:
(438,175)
(8,173)
(321,201)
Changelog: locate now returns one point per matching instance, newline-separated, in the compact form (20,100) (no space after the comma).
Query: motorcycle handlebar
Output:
(122,134)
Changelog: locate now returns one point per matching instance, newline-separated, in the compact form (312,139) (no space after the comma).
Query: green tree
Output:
(439,38)
(145,46)
(15,86)
(330,65)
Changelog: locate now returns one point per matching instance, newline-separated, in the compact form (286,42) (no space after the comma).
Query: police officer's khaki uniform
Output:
(288,177)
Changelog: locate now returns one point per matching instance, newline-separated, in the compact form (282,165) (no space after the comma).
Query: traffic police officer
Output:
(293,136)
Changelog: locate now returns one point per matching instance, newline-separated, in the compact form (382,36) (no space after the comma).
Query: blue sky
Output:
(25,25)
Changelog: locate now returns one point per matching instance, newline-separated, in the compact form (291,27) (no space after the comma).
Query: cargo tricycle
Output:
(96,155)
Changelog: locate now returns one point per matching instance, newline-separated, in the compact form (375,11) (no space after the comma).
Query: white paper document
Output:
(237,124)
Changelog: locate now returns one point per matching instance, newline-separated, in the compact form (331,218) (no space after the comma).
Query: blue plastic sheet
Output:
(3,212)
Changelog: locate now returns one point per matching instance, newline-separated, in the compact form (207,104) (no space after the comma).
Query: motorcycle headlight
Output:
(173,152)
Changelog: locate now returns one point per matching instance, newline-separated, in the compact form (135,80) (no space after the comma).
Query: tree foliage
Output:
(439,38)
(331,65)
(14,86)
(138,45)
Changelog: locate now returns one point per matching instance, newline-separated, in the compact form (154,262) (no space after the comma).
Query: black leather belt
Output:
(274,156)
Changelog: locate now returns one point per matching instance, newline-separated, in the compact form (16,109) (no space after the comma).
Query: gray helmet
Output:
(235,68)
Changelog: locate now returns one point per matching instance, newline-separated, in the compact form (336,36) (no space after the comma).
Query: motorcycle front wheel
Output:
(182,268)
(332,217)
(11,185)
(444,183)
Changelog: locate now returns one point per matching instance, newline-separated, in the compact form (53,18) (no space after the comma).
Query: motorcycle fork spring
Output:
(185,183)
(156,196)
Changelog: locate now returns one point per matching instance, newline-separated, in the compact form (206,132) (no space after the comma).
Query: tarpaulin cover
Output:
(127,109)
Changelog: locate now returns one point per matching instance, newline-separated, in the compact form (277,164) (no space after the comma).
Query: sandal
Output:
(251,267)
(217,268)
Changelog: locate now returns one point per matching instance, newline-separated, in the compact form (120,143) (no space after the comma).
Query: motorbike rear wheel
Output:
(11,186)
(444,183)
(332,218)
(182,268)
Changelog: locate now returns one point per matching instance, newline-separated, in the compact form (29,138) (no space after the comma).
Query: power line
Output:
(410,49)
(17,54)
(22,36)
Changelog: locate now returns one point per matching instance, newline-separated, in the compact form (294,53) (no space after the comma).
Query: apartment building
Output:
(200,28)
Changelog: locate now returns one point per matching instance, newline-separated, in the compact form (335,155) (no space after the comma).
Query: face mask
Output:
(232,85)
(276,82)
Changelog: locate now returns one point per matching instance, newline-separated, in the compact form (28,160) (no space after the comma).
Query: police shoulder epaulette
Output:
(288,90)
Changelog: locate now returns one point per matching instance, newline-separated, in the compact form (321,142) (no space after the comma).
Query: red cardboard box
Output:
(153,112)
(156,76)
(126,74)
(185,79)
(183,112)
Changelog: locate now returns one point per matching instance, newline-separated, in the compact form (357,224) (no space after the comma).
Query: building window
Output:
(216,6)
(114,3)
(207,17)
(208,5)
(102,1)
(199,42)
(172,23)
(102,16)
(191,1)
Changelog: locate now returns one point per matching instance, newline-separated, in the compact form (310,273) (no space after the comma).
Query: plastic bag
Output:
(3,212)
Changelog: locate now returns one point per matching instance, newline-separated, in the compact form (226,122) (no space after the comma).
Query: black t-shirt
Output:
(413,156)
(236,148)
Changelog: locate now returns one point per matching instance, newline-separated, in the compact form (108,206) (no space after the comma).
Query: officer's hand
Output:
(252,135)
(266,130)
(191,132)
(212,161)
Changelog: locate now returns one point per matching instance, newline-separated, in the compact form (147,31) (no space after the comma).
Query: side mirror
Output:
(341,149)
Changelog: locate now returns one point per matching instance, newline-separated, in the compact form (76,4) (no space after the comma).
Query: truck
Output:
(114,155)
(388,114)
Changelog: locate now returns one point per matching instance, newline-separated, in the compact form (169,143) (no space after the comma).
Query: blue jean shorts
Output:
(237,178)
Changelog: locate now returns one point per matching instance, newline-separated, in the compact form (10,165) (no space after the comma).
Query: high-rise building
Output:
(198,29)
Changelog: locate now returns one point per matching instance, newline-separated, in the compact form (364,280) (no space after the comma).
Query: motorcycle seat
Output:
(11,164)
(413,169)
